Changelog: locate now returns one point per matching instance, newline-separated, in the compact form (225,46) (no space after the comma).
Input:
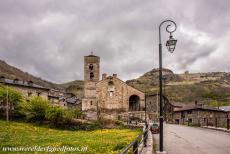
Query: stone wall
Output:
(116,96)
(91,66)
(30,91)
(201,117)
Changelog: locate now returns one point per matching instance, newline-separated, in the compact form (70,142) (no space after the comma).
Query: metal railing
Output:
(135,144)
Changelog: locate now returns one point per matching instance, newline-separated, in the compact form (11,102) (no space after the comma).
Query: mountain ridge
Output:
(178,87)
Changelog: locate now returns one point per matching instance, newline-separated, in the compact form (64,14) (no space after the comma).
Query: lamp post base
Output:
(161,152)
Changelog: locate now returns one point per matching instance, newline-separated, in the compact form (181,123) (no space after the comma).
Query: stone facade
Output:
(109,97)
(114,94)
(201,116)
(91,77)
(27,88)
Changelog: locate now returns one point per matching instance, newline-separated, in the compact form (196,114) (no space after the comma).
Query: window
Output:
(91,67)
(189,112)
(91,102)
(15,80)
(111,88)
(182,114)
(30,83)
(91,75)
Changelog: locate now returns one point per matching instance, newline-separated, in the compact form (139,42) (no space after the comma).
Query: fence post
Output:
(145,137)
(135,147)
(228,123)
(216,122)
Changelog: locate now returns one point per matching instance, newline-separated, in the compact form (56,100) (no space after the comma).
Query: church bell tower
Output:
(91,77)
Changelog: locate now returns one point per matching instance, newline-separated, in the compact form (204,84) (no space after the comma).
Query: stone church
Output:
(109,97)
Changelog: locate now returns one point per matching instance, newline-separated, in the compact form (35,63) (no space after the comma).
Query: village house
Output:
(55,96)
(200,116)
(27,88)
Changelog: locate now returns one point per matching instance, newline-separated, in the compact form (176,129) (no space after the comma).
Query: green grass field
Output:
(16,134)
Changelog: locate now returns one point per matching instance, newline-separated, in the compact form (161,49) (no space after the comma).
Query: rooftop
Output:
(208,108)
(17,82)
(225,108)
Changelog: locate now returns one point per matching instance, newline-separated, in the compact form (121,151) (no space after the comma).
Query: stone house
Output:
(60,97)
(200,116)
(70,102)
(27,88)
(55,96)
(109,97)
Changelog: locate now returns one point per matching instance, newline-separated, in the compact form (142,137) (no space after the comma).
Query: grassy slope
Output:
(98,141)
(186,88)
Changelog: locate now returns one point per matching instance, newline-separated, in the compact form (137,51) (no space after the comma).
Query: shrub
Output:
(36,108)
(68,115)
(14,98)
(54,114)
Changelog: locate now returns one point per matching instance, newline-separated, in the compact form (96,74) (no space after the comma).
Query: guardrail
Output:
(135,144)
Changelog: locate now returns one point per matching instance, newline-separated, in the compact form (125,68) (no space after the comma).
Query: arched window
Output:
(111,88)
(91,67)
(91,75)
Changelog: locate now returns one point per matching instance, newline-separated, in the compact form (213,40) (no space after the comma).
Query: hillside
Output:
(186,87)
(11,72)
(75,87)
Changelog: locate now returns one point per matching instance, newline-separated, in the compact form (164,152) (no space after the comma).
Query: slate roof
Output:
(186,108)
(225,108)
(17,82)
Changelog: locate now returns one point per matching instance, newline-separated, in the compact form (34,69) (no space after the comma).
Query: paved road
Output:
(188,140)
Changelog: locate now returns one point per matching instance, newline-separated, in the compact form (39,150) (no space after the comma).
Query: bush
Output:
(68,115)
(54,114)
(14,98)
(35,108)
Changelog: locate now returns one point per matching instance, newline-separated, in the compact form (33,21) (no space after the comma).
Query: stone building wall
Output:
(201,117)
(91,77)
(114,94)
(107,97)
(30,91)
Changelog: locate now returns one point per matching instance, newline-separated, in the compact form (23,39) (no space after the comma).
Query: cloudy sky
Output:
(49,38)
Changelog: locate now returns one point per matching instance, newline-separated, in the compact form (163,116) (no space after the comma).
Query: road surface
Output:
(189,140)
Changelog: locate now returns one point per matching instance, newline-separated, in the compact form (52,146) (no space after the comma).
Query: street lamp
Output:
(170,44)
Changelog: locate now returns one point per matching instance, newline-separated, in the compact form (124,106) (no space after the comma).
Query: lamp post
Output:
(170,44)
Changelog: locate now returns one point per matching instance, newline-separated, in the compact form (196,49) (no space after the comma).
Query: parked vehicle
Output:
(154,128)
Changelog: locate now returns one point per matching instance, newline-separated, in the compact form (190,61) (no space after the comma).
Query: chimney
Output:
(104,76)
(196,103)
(115,75)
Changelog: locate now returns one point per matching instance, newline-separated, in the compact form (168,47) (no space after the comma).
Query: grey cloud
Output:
(50,38)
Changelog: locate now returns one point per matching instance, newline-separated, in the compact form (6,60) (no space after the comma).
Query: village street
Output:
(189,140)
